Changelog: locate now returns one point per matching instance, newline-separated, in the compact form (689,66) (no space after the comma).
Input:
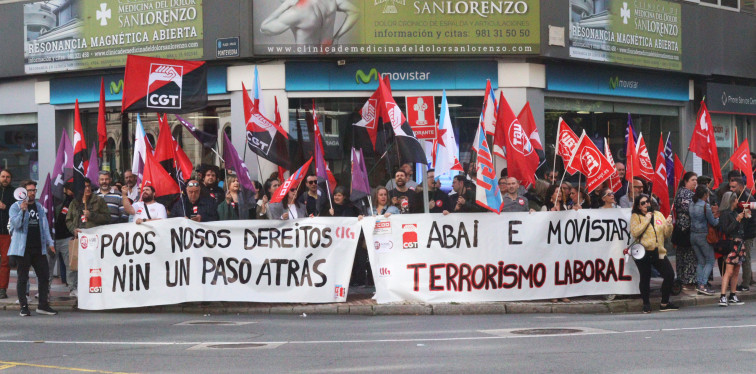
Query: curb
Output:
(576,307)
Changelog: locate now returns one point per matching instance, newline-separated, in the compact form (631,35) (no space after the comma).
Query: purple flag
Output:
(207,139)
(46,199)
(63,169)
(93,171)
(235,163)
(360,182)
(669,161)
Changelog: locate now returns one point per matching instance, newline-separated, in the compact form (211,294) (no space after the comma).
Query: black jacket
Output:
(206,208)
(6,196)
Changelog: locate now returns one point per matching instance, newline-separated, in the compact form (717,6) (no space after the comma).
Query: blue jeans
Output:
(705,255)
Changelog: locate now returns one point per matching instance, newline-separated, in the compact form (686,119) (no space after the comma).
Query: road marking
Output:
(407,340)
(8,364)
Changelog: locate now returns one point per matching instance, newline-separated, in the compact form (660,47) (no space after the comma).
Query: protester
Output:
(62,235)
(315,199)
(269,187)
(6,200)
(458,182)
(685,257)
(194,206)
(565,194)
(551,176)
(85,212)
(749,232)
(147,209)
(131,181)
(112,198)
(607,199)
(402,195)
(288,208)
(408,181)
(555,200)
(621,174)
(701,216)
(579,199)
(466,202)
(382,204)
(210,185)
(627,200)
(732,227)
(511,200)
(438,201)
(651,229)
(233,207)
(342,207)
(536,195)
(30,241)
(732,176)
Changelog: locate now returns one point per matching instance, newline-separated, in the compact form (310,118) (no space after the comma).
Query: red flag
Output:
(169,154)
(80,154)
(158,178)
(741,160)
(529,125)
(589,161)
(735,139)
(277,120)
(102,132)
(703,143)
(631,155)
(644,168)
(566,143)
(410,149)
(294,180)
(264,137)
(679,171)
(660,188)
(153,84)
(500,133)
(522,160)
(368,123)
(614,180)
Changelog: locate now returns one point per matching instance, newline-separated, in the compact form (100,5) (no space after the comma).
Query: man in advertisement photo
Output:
(312,22)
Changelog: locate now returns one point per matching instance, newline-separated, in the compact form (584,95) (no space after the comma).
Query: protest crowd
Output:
(707,219)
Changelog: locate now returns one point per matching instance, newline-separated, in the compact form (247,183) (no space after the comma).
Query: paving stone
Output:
(402,309)
(361,310)
(528,308)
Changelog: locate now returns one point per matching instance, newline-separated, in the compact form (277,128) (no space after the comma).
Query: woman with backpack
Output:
(701,216)
(651,229)
(732,227)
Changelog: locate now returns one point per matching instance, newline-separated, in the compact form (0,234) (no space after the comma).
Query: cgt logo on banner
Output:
(519,257)
(303,261)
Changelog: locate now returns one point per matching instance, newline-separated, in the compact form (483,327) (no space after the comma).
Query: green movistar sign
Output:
(361,77)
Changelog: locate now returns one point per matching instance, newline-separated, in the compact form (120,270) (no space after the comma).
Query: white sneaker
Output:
(74,293)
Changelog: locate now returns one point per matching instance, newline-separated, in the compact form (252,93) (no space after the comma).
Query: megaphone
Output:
(20,194)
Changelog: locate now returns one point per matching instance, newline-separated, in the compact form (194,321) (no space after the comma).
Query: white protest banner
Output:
(178,260)
(478,257)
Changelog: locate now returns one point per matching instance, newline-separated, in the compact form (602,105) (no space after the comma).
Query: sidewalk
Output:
(360,302)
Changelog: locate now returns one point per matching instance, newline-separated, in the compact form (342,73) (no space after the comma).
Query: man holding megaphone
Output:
(30,240)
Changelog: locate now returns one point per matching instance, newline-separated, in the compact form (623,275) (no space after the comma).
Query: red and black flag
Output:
(163,85)
(409,147)
(264,137)
(365,131)
(166,189)
(80,156)
(170,155)
(102,132)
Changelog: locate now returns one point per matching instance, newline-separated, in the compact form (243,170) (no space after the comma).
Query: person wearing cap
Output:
(112,198)
(86,211)
(194,206)
(147,209)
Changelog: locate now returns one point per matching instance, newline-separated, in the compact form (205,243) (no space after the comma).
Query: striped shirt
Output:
(115,206)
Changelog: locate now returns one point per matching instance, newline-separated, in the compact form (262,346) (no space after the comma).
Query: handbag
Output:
(73,255)
(712,236)
(680,237)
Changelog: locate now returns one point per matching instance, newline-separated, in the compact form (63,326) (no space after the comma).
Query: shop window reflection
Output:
(18,151)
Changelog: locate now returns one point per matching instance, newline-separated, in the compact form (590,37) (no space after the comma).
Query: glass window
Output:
(18,148)
(118,153)
(336,116)
(609,120)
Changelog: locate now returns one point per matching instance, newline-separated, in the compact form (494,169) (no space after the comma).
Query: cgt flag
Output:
(166,189)
(589,161)
(264,137)
(79,154)
(292,182)
(660,188)
(162,85)
(741,159)
(102,132)
(410,149)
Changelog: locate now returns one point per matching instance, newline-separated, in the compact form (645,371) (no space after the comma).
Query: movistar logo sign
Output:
(615,83)
(360,76)
(116,87)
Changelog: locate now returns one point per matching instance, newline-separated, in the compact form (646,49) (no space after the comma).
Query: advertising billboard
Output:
(641,33)
(62,35)
(396,27)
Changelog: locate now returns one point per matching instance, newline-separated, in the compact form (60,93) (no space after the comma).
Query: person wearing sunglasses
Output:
(651,229)
(314,200)
(607,199)
(194,206)
(288,208)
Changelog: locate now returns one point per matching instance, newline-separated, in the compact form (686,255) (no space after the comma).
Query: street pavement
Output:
(704,339)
